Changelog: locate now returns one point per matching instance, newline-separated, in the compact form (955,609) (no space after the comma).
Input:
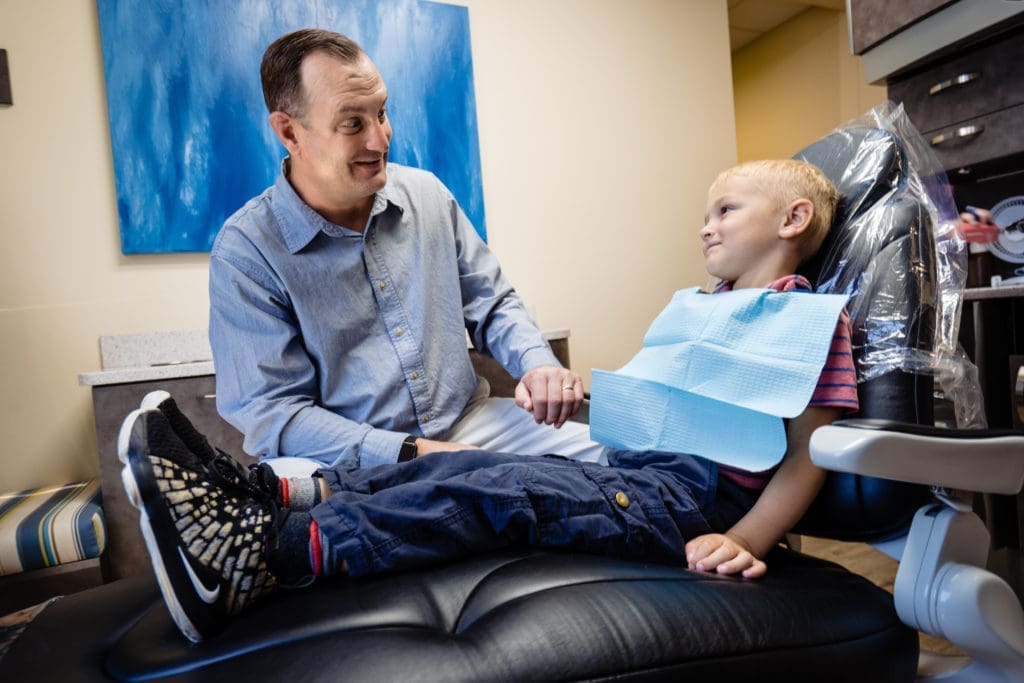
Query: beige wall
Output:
(601,123)
(796,84)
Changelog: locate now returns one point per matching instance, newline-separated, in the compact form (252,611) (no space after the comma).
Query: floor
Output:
(873,565)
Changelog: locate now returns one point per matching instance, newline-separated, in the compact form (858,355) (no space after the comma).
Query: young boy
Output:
(220,537)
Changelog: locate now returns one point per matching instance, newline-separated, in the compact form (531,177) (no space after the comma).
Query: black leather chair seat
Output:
(517,616)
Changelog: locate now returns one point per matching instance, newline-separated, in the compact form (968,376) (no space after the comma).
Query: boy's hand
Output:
(723,554)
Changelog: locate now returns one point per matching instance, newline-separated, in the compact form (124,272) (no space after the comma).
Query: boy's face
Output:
(741,233)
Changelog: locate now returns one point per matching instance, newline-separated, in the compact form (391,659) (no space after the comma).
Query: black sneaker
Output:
(186,431)
(259,480)
(207,542)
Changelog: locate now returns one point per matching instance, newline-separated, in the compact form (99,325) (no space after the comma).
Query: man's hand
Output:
(425,446)
(723,554)
(551,393)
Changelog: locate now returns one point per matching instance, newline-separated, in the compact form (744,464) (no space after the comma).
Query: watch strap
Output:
(408,451)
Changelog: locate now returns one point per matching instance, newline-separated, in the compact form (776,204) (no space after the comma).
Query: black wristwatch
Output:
(408,450)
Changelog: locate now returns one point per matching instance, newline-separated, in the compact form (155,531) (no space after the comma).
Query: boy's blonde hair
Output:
(785,181)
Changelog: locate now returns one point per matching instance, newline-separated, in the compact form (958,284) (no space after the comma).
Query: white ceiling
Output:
(748,19)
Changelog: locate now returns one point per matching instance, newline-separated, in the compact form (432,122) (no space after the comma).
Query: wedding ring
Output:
(567,387)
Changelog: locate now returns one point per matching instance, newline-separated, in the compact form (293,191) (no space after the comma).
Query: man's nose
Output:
(379,137)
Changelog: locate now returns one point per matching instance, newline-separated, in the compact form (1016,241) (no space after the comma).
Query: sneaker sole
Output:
(152,511)
(153,399)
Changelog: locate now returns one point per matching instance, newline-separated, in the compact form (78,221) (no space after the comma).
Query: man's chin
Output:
(375,175)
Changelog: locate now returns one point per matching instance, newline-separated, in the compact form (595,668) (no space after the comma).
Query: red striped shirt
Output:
(837,384)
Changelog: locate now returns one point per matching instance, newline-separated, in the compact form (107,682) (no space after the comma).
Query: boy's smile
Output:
(741,231)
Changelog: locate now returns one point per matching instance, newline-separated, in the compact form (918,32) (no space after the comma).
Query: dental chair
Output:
(527,615)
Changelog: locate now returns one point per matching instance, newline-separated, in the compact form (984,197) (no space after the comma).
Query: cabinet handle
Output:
(956,134)
(962,79)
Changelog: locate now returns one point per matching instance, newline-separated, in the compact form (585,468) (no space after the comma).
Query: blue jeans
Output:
(449,505)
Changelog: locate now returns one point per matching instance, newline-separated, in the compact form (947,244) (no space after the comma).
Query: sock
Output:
(300,494)
(316,549)
(289,560)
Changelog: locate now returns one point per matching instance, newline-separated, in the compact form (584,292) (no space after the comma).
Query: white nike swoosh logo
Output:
(208,596)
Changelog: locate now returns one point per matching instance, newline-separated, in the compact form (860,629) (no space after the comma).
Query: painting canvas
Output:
(188,125)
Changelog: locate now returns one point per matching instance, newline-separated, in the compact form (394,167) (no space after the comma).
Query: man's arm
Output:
(783,502)
(500,326)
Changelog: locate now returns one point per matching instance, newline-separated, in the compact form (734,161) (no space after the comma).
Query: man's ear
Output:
(284,127)
(798,218)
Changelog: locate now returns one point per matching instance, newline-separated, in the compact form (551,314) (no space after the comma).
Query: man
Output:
(340,296)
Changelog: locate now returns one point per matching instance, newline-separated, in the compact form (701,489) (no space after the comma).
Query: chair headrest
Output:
(865,164)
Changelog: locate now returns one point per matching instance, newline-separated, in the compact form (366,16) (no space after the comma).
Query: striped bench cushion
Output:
(49,526)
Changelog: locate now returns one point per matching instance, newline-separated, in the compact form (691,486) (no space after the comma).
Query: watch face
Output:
(1009,216)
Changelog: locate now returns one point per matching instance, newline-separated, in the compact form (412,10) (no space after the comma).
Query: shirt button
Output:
(622,500)
(426,418)
(383,285)
(399,332)
(415,375)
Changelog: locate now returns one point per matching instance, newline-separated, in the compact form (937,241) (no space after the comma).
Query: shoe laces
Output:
(229,473)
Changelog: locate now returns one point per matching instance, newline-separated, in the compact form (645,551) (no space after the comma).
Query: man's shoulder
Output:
(409,181)
(253,223)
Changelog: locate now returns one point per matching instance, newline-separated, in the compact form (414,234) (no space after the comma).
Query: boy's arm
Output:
(781,505)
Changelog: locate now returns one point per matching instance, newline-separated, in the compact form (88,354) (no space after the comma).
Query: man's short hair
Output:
(785,181)
(280,71)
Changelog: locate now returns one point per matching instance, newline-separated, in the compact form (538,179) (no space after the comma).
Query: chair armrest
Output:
(974,460)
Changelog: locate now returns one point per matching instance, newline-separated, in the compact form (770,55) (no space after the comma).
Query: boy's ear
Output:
(284,127)
(798,218)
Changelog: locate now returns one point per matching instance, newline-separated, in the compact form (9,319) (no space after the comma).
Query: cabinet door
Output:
(982,139)
(872,21)
(986,79)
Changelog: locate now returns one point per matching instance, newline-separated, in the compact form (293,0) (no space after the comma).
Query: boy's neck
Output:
(761,277)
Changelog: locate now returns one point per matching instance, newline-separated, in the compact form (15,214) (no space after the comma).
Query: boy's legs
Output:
(499,501)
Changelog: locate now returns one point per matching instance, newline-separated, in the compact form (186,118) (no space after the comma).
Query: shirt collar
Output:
(299,223)
(786,283)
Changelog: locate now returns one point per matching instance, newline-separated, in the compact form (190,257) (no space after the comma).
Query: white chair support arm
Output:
(970,460)
(942,586)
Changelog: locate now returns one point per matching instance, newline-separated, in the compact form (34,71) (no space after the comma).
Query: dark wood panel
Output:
(1000,134)
(980,81)
(875,20)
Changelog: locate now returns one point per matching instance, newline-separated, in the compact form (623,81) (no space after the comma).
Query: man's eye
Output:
(351,124)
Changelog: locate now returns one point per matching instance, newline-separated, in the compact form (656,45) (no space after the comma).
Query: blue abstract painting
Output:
(188,125)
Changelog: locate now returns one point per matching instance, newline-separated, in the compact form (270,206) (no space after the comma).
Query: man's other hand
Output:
(553,394)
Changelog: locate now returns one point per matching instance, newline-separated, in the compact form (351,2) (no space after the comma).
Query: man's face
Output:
(741,231)
(341,144)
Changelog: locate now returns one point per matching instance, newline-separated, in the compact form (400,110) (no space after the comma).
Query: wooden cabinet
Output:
(895,38)
(877,20)
(970,106)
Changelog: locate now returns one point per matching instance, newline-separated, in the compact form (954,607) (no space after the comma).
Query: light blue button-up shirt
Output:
(336,345)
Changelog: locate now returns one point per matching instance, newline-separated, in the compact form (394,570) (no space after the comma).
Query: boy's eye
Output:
(724,210)
(383,115)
